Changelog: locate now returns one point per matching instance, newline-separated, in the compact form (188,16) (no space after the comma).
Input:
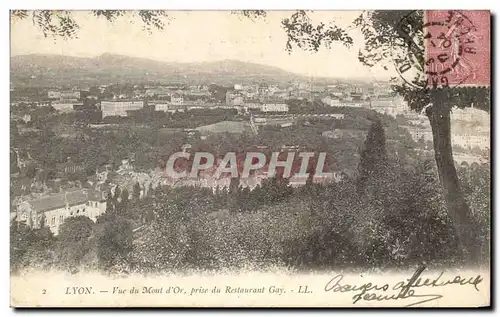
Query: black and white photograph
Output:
(250,158)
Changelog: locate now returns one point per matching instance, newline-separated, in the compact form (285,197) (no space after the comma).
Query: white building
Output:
(418,133)
(26,118)
(332,102)
(63,107)
(158,90)
(470,141)
(352,104)
(161,107)
(54,94)
(119,107)
(274,107)
(176,99)
(234,98)
(237,101)
(253,105)
(336,115)
(390,106)
(55,209)
(69,95)
(176,108)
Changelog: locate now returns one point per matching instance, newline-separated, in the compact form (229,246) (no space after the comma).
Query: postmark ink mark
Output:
(444,48)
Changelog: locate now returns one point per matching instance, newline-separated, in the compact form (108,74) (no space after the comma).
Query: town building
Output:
(356,90)
(63,107)
(237,101)
(26,118)
(318,88)
(53,210)
(347,98)
(157,90)
(338,116)
(158,105)
(69,168)
(198,91)
(352,104)
(358,96)
(234,98)
(176,99)
(263,89)
(470,141)
(389,105)
(119,107)
(54,94)
(304,86)
(161,106)
(176,108)
(252,104)
(418,133)
(69,95)
(274,107)
(331,101)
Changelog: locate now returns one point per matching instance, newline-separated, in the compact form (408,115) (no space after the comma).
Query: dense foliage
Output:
(399,220)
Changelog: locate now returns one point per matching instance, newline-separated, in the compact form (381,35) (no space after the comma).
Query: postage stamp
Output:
(458,47)
(452,48)
(233,159)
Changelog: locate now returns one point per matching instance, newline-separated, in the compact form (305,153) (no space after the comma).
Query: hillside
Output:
(56,70)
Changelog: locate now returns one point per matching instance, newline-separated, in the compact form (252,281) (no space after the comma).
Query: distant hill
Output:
(57,70)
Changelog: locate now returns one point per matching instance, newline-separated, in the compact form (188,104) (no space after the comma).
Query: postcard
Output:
(250,158)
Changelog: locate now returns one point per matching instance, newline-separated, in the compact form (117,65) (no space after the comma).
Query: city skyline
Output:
(224,36)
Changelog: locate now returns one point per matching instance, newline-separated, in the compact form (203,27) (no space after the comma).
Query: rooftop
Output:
(123,100)
(60,200)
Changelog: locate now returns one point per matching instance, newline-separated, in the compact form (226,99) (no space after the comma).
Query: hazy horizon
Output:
(203,36)
(360,78)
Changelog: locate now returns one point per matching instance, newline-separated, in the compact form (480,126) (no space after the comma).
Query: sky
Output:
(197,36)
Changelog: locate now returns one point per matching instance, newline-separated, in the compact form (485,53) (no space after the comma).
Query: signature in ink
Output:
(402,289)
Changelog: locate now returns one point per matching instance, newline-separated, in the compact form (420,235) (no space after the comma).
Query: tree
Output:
(166,242)
(110,204)
(275,190)
(233,194)
(42,221)
(30,247)
(21,236)
(73,241)
(419,206)
(391,37)
(117,193)
(14,168)
(150,191)
(384,36)
(300,30)
(136,191)
(62,24)
(75,229)
(158,191)
(373,159)
(31,171)
(114,240)
(123,204)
